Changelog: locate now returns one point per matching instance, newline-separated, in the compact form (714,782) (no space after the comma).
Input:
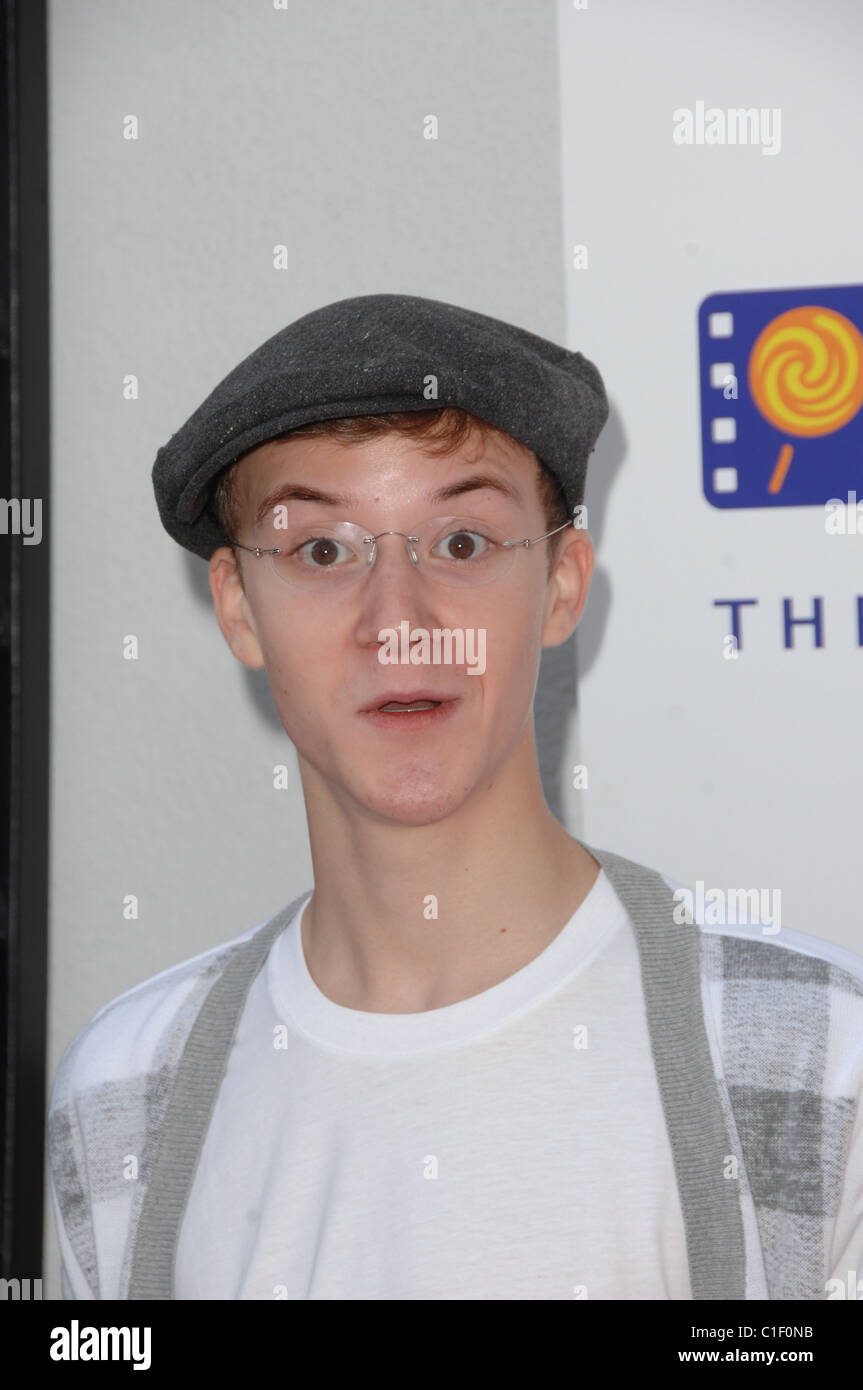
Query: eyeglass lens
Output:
(330,555)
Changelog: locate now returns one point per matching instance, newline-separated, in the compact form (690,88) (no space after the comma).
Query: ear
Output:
(568,585)
(232,608)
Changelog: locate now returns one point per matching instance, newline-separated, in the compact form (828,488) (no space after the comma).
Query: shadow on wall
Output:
(557,685)
(257,683)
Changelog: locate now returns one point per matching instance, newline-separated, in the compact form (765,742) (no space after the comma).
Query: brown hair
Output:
(437,432)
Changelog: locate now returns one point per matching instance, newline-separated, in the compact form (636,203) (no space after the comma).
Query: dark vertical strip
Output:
(24,635)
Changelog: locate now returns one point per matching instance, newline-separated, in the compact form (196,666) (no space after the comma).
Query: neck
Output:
(501,874)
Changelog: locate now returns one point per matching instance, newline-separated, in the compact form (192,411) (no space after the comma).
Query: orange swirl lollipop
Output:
(806,376)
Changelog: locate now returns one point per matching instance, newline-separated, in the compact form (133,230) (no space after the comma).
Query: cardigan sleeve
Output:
(70,1193)
(846,1248)
(845,1078)
(72,1281)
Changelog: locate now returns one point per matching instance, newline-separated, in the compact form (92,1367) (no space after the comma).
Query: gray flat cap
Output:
(368,356)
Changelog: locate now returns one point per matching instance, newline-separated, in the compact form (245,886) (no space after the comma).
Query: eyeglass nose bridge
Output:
(409,541)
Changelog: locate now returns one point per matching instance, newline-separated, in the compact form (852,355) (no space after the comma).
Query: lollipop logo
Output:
(793,434)
(806,376)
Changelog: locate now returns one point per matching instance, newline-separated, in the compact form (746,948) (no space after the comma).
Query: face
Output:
(321,650)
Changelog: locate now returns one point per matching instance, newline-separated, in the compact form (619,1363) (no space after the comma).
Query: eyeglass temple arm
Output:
(541,538)
(253,549)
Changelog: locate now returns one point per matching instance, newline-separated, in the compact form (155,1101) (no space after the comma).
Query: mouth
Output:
(414,708)
(397,707)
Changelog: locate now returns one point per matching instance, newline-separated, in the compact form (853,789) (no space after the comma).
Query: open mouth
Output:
(413,711)
(397,707)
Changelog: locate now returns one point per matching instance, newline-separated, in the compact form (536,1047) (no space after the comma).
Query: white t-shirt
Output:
(509,1146)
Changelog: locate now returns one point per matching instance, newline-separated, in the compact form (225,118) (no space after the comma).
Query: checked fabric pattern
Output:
(784,1024)
(790,1027)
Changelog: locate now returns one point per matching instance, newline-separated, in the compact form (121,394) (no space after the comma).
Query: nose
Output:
(392,589)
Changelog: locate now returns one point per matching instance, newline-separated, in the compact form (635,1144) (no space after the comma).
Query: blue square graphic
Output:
(781,376)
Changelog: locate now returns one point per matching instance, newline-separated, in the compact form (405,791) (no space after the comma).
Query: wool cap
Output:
(371,355)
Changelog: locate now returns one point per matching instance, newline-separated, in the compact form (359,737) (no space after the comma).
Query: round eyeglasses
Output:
(331,556)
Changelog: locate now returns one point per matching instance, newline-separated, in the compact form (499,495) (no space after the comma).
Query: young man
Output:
(481,1060)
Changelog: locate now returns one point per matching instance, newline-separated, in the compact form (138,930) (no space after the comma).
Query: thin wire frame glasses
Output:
(332,556)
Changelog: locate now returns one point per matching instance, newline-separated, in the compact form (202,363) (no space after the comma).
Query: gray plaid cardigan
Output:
(760,1122)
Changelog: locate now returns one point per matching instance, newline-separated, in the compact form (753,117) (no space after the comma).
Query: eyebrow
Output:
(301,492)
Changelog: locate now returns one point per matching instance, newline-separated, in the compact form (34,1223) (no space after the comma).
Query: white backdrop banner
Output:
(712,224)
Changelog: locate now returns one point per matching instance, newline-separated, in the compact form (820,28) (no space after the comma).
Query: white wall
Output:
(256,126)
(739,772)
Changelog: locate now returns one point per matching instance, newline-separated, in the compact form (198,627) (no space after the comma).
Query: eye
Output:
(322,552)
(463,545)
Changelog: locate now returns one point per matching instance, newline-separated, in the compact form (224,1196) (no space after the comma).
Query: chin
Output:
(417,802)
